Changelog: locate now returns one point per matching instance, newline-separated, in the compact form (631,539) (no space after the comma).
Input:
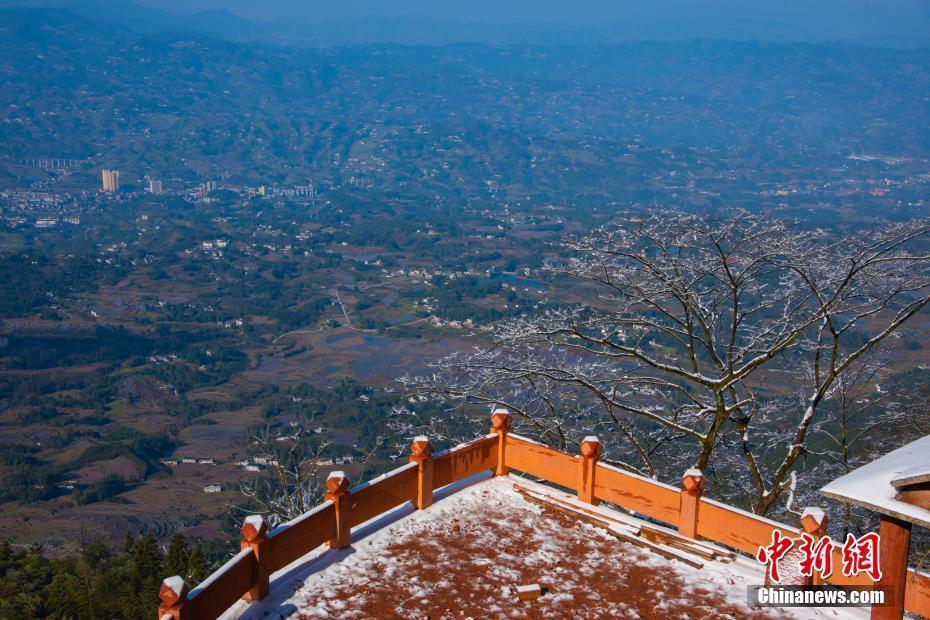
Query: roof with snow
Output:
(485,540)
(877,486)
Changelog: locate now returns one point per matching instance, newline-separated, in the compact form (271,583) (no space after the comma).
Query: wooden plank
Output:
(302,535)
(382,494)
(671,554)
(620,531)
(912,477)
(673,539)
(653,533)
(465,460)
(593,519)
(637,494)
(224,587)
(542,461)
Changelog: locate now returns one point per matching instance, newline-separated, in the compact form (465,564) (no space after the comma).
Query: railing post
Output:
(692,488)
(421,453)
(814,524)
(895,536)
(501,423)
(255,537)
(590,453)
(173,595)
(337,491)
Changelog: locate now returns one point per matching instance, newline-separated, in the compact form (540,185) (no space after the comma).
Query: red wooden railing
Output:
(246,575)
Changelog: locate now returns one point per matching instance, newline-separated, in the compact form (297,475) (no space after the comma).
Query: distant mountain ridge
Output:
(411,30)
(448,120)
(361,31)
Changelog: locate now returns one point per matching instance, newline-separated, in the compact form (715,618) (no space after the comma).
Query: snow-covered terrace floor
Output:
(462,556)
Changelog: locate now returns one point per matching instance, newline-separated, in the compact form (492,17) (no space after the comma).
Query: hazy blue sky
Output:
(796,19)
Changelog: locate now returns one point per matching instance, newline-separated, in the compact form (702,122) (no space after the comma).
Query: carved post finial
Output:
(590,453)
(421,453)
(337,484)
(421,449)
(591,447)
(173,594)
(254,528)
(814,521)
(501,420)
(501,423)
(692,489)
(693,482)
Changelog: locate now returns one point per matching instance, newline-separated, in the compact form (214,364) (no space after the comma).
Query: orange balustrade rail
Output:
(247,574)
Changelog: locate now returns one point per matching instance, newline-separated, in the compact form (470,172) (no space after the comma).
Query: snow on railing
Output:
(247,574)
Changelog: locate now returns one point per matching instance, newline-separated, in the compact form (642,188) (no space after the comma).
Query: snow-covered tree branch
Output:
(695,338)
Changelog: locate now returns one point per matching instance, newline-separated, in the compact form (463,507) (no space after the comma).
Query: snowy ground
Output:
(463,556)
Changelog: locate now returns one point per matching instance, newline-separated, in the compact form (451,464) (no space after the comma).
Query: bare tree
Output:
(294,484)
(844,436)
(693,334)
(296,481)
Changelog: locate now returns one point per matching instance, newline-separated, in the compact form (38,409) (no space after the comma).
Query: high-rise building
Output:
(155,186)
(110,180)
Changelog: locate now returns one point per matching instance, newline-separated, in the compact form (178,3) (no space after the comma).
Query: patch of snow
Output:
(816,513)
(175,584)
(256,521)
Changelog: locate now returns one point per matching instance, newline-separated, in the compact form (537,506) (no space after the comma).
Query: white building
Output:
(110,180)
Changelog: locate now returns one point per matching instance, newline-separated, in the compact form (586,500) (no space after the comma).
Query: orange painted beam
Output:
(736,528)
(224,587)
(382,494)
(464,461)
(895,540)
(542,461)
(638,494)
(300,536)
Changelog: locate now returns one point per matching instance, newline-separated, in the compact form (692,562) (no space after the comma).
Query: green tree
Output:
(178,556)
(197,565)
